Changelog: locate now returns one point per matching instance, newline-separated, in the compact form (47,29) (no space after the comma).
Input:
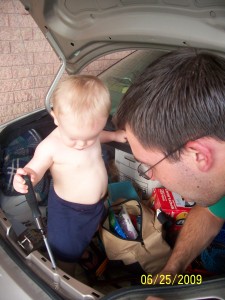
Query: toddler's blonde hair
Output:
(85,96)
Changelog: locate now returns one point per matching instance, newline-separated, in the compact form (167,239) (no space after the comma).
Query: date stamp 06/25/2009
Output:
(178,279)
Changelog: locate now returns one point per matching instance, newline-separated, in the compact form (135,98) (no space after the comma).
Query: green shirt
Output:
(218,209)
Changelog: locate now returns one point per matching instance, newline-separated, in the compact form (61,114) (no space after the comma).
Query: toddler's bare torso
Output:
(79,175)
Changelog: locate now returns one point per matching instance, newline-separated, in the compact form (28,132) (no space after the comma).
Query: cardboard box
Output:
(127,168)
(172,204)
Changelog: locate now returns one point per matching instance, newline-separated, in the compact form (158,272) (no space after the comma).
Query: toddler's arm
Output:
(113,136)
(36,168)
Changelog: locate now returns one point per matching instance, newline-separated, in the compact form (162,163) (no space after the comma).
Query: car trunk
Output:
(116,281)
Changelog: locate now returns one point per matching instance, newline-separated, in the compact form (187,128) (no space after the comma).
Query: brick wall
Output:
(27,62)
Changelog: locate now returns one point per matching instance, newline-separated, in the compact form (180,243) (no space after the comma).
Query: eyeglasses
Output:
(143,169)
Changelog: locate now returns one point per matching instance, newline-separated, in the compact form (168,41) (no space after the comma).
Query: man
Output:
(174,117)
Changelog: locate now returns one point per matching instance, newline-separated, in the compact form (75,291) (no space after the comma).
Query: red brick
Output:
(17,109)
(9,34)
(23,59)
(10,85)
(5,72)
(17,47)
(27,106)
(5,119)
(16,84)
(94,65)
(20,72)
(56,67)
(36,70)
(21,20)
(6,98)
(7,60)
(27,83)
(13,20)
(7,7)
(90,72)
(42,81)
(19,8)
(6,110)
(24,95)
(40,102)
(37,46)
(45,57)
(4,20)
(26,33)
(40,93)
(4,47)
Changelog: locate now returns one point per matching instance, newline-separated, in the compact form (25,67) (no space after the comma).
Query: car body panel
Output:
(84,30)
(16,284)
(81,31)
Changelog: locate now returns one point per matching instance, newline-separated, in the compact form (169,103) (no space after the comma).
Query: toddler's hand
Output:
(120,136)
(19,182)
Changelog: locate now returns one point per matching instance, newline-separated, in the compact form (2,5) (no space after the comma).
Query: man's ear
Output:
(54,117)
(202,154)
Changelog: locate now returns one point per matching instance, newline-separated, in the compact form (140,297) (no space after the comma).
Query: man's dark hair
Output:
(178,98)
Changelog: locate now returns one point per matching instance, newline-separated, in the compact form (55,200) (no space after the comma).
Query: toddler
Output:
(72,152)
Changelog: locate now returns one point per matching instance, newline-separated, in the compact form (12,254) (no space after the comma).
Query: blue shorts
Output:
(71,226)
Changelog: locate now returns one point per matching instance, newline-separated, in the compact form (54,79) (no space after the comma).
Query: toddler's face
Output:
(80,136)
